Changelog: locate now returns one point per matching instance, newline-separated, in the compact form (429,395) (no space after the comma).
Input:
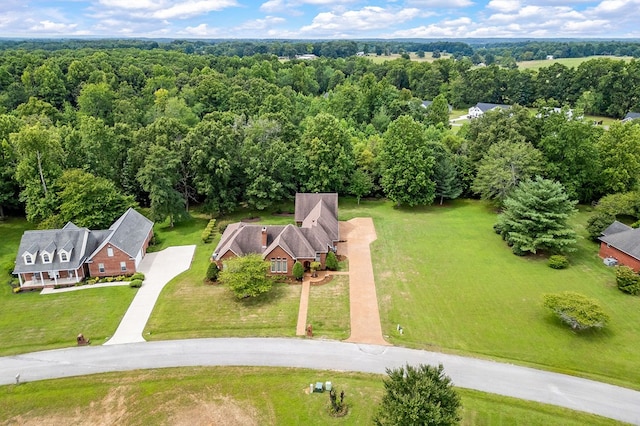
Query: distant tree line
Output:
(167,129)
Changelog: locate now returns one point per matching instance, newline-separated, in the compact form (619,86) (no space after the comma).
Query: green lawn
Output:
(329,309)
(188,307)
(31,322)
(568,62)
(428,57)
(240,395)
(452,283)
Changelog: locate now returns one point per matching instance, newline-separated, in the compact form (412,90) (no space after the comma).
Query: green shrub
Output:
(331,262)
(135,284)
(298,271)
(212,272)
(627,280)
(223,225)
(120,278)
(578,311)
(16,290)
(138,276)
(110,279)
(558,261)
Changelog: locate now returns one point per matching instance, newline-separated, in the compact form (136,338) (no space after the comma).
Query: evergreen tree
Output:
(445,174)
(421,395)
(535,218)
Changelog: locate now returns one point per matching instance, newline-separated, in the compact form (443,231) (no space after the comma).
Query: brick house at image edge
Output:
(622,243)
(315,234)
(47,258)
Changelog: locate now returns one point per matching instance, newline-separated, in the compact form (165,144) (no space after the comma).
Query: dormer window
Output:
(64,257)
(46,257)
(28,259)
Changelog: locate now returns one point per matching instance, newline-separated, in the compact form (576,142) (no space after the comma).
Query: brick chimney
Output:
(264,237)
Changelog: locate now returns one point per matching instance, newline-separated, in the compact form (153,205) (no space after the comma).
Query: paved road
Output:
(504,379)
(159,268)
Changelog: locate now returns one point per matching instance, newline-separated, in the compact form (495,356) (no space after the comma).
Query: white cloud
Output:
(261,24)
(192,8)
(272,6)
(504,5)
(131,4)
(52,27)
(445,4)
(366,19)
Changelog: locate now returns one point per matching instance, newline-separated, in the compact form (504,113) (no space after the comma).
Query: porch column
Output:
(20,279)
(75,272)
(55,277)
(41,278)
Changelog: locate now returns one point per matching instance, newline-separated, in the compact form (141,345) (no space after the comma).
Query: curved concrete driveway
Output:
(504,379)
(159,268)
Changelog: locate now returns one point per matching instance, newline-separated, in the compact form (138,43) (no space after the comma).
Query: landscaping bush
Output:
(212,272)
(138,276)
(576,310)
(223,225)
(332,261)
(135,284)
(627,280)
(298,271)
(558,262)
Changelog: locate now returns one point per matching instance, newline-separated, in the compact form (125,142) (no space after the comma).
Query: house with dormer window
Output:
(53,257)
(315,233)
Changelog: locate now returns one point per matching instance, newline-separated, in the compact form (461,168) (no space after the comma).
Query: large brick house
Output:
(315,234)
(621,242)
(51,257)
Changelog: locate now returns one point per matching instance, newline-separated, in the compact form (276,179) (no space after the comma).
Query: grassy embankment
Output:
(243,396)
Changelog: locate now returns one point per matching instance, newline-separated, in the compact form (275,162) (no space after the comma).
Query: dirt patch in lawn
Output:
(115,409)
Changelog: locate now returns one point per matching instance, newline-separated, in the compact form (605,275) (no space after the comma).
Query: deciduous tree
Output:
(246,276)
(578,311)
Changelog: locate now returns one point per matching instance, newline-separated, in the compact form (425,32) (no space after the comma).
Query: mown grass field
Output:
(453,284)
(428,57)
(242,396)
(568,62)
(31,322)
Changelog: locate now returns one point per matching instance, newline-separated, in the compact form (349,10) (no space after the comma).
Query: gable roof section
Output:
(615,228)
(631,116)
(484,107)
(626,241)
(74,240)
(305,202)
(128,233)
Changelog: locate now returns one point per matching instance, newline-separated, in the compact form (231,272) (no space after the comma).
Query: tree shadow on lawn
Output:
(446,205)
(592,334)
(277,292)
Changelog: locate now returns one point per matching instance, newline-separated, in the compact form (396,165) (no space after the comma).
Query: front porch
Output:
(39,280)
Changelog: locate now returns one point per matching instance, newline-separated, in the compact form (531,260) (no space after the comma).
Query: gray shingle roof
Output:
(615,228)
(631,116)
(128,233)
(626,241)
(37,241)
(319,231)
(484,107)
(305,202)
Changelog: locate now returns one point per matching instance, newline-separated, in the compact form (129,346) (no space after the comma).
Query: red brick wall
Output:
(622,258)
(111,264)
(280,253)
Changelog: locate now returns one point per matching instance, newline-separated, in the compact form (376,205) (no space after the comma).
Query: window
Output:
(123,266)
(46,258)
(278,266)
(101,267)
(109,252)
(64,257)
(28,259)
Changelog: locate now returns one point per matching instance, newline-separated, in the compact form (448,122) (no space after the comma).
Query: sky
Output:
(320,19)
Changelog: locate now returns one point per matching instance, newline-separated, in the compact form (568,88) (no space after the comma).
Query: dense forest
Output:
(88,131)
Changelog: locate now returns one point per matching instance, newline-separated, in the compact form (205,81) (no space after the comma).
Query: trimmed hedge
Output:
(135,284)
(208,232)
(138,276)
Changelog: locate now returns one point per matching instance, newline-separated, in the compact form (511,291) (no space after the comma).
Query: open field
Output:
(453,284)
(568,62)
(240,396)
(31,322)
(428,57)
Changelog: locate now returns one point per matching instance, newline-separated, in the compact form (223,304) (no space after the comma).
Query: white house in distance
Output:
(481,107)
(631,116)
